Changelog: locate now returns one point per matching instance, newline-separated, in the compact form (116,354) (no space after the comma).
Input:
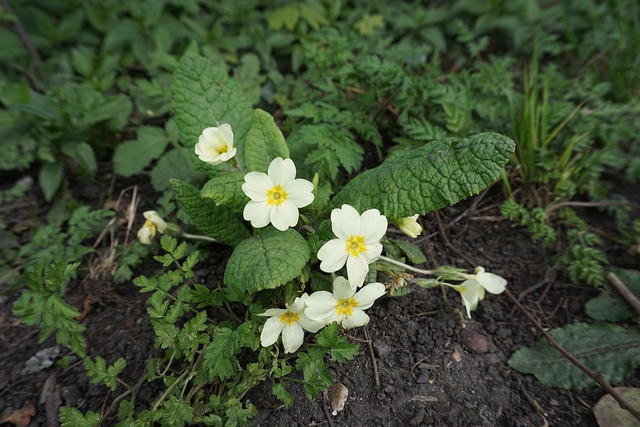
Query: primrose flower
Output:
(358,243)
(215,145)
(152,224)
(290,323)
(410,226)
(473,288)
(276,196)
(344,305)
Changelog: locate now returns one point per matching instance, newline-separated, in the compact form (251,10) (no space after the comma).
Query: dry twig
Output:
(599,378)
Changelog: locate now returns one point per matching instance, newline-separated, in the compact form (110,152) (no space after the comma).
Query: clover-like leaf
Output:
(264,142)
(219,222)
(438,174)
(266,261)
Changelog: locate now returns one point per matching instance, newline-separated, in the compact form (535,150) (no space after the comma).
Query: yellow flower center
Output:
(276,195)
(289,317)
(224,149)
(345,306)
(151,226)
(355,245)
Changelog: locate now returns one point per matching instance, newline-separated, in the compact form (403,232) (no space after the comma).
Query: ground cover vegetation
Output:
(303,146)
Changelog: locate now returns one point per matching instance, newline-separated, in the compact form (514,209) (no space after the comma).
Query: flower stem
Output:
(408,267)
(197,237)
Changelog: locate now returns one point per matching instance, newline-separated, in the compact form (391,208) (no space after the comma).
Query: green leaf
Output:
(219,356)
(280,391)
(266,261)
(71,417)
(412,251)
(131,157)
(203,95)
(219,222)
(50,178)
(610,305)
(340,349)
(226,190)
(283,17)
(82,153)
(607,349)
(264,142)
(429,178)
(173,164)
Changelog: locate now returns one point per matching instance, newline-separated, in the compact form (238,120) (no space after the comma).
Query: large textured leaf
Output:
(604,348)
(219,222)
(203,95)
(266,261)
(226,190)
(610,305)
(431,177)
(264,142)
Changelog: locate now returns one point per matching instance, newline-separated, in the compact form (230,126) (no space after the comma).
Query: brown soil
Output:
(425,373)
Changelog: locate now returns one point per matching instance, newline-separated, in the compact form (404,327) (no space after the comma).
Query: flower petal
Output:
(342,289)
(271,331)
(320,305)
(366,296)
(357,269)
(492,282)
(345,222)
(310,324)
(357,318)
(373,225)
(284,216)
(227,134)
(256,185)
(373,252)
(145,234)
(292,337)
(273,312)
(299,192)
(282,171)
(333,255)
(259,213)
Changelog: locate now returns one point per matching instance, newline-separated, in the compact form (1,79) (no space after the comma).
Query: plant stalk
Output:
(599,378)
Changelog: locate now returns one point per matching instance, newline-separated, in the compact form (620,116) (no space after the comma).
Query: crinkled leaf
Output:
(264,142)
(203,95)
(436,175)
(610,305)
(266,261)
(608,349)
(226,190)
(131,157)
(218,222)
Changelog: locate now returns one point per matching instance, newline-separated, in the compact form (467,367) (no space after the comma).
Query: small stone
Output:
(423,378)
(417,419)
(338,395)
(382,349)
(474,341)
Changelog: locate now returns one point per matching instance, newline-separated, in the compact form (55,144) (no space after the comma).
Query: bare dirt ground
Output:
(418,364)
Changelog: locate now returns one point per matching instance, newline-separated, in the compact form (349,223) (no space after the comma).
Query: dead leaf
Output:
(19,417)
(609,413)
